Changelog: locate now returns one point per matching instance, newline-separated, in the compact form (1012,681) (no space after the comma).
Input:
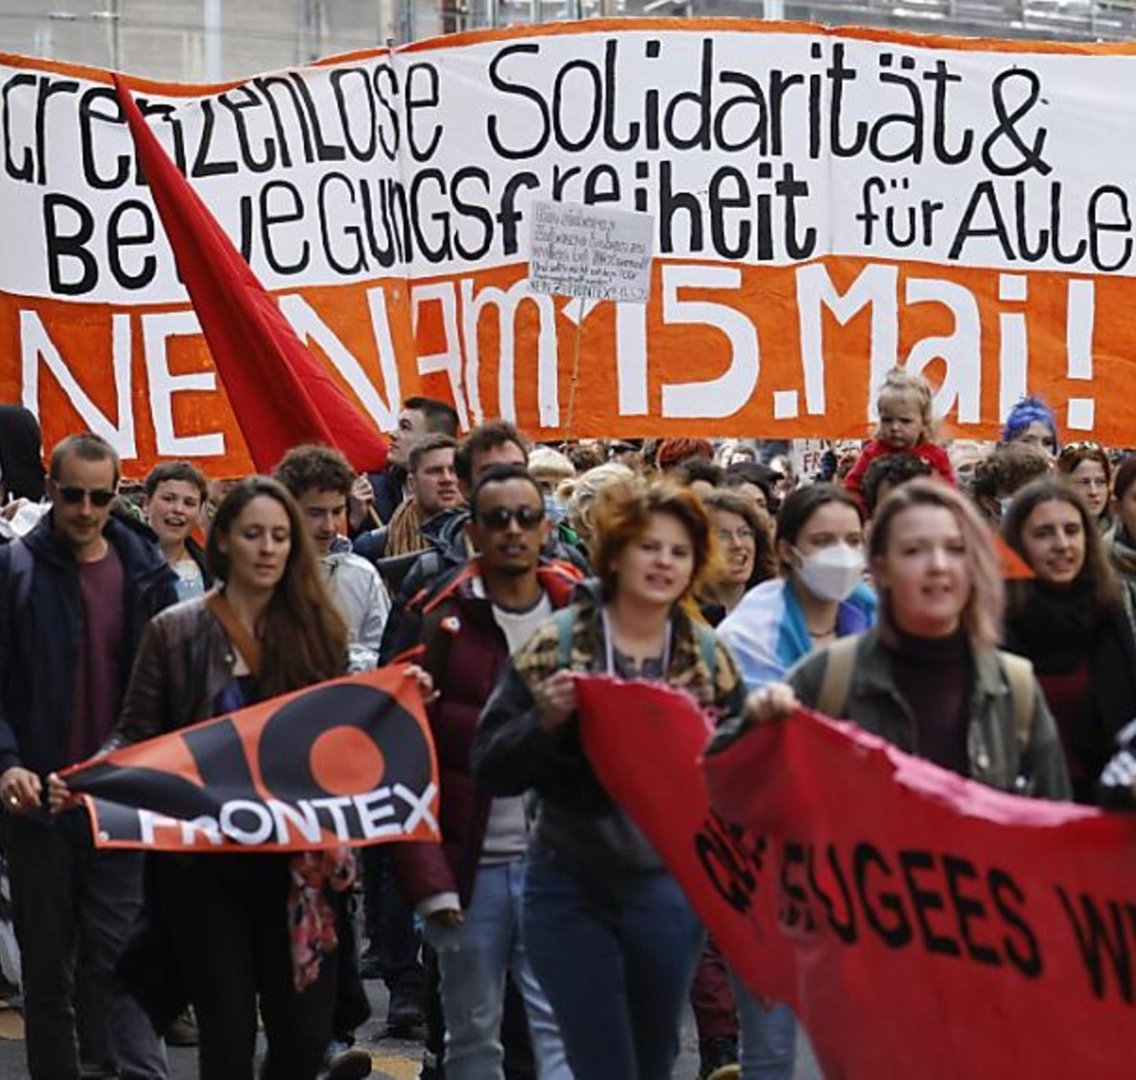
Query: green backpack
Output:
(840,659)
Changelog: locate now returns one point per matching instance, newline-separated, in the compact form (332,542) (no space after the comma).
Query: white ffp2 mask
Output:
(831,573)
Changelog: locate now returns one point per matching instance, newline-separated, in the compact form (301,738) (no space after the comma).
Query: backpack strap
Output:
(565,619)
(1019,674)
(840,661)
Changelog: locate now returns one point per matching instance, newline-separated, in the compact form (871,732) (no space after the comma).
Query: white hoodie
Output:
(363,602)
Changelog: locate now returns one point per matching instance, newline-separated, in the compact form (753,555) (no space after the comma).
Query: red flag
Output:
(280,393)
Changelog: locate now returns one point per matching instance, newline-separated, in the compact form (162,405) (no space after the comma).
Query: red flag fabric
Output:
(280,393)
(344,762)
(920,924)
(1014,567)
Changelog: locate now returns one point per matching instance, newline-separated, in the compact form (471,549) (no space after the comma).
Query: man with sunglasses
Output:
(75,596)
(468,888)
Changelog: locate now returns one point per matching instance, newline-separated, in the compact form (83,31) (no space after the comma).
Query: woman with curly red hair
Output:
(609,933)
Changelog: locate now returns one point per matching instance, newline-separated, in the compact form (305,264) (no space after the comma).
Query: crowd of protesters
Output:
(543,936)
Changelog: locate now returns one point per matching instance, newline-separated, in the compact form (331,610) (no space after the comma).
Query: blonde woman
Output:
(581,493)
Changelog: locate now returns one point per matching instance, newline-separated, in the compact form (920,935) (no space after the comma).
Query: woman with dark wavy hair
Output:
(1069,621)
(746,541)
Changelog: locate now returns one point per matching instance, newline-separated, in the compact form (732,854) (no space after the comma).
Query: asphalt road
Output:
(393,1059)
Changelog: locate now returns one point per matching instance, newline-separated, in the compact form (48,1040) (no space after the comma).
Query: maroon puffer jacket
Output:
(465,651)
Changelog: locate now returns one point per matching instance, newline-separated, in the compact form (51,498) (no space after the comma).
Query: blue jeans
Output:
(472,961)
(768,1037)
(615,952)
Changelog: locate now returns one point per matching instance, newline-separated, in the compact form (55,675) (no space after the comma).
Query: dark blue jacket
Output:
(39,637)
(388,487)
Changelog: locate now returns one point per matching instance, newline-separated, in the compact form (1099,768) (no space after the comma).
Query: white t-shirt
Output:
(506,832)
(519,626)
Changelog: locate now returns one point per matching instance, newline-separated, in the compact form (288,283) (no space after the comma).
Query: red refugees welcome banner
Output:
(920,924)
(348,761)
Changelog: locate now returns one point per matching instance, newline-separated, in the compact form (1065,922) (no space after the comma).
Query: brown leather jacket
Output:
(185,660)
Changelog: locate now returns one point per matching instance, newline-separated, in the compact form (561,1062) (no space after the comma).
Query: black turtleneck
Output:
(934,677)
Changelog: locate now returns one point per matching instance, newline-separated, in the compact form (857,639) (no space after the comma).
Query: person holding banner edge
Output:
(78,591)
(468,888)
(929,678)
(609,933)
(234,929)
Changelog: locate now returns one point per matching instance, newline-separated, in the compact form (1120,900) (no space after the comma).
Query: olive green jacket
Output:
(997,757)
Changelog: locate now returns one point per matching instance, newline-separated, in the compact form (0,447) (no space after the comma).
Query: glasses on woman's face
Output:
(741,535)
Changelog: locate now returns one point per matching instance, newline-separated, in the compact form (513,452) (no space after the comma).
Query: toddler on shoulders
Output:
(906,427)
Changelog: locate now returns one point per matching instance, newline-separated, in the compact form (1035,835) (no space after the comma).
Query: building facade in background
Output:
(211,40)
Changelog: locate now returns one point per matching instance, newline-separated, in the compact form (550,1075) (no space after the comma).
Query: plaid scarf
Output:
(540,657)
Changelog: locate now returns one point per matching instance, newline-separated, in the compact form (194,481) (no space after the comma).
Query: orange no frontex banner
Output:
(349,762)
(921,925)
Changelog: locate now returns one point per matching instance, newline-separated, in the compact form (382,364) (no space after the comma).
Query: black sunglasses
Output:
(99,497)
(497,519)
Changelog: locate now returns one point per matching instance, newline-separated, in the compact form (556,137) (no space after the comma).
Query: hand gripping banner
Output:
(921,925)
(349,762)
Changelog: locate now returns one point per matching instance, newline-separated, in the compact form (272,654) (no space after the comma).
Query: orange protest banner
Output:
(346,762)
(824,205)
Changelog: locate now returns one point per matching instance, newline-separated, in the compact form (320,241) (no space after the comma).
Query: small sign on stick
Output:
(590,251)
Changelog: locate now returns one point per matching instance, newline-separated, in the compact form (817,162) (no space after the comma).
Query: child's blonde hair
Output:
(902,383)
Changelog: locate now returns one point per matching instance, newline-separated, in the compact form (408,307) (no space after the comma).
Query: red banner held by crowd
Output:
(349,762)
(920,924)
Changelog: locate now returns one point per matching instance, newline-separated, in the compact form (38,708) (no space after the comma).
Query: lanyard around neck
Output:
(609,646)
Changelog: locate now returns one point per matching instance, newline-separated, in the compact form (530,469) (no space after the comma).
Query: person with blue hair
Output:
(1031,421)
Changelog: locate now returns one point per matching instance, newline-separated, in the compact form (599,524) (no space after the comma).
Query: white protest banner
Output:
(826,204)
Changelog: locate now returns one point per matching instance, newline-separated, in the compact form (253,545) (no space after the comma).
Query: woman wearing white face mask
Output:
(819,597)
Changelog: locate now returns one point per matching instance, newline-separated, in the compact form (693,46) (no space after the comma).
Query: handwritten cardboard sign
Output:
(590,251)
